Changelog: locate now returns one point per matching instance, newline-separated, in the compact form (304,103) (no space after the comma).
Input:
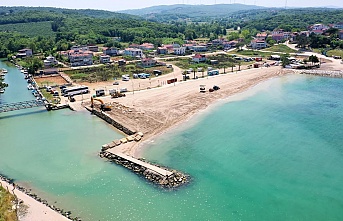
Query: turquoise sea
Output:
(273,153)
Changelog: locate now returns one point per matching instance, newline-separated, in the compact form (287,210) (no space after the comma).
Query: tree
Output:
(313,59)
(33,64)
(284,60)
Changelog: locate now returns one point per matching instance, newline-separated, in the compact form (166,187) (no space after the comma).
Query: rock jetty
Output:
(171,180)
(333,74)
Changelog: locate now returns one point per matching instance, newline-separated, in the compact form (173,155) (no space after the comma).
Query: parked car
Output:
(116,83)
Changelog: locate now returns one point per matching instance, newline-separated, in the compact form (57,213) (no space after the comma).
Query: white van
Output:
(125,78)
(123,90)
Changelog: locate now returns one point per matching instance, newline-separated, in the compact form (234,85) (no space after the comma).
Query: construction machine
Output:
(116,94)
(103,106)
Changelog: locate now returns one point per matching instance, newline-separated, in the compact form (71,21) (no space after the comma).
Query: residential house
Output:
(230,44)
(287,35)
(79,48)
(189,46)
(262,36)
(93,48)
(50,61)
(110,51)
(200,48)
(147,46)
(104,59)
(162,50)
(134,46)
(278,37)
(258,44)
(318,28)
(179,50)
(338,25)
(217,42)
(133,52)
(80,57)
(197,58)
(148,62)
(26,52)
(340,34)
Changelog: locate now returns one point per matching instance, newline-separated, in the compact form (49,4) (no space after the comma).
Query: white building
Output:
(258,44)
(179,50)
(104,59)
(80,58)
(133,52)
(49,61)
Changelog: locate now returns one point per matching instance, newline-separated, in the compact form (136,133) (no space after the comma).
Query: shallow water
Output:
(275,155)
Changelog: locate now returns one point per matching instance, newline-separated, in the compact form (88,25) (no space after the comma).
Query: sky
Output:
(116,5)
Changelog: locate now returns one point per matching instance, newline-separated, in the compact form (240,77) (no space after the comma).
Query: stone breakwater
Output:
(333,74)
(111,121)
(28,192)
(172,180)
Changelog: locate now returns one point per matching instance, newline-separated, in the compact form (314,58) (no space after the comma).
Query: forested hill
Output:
(193,12)
(288,19)
(62,11)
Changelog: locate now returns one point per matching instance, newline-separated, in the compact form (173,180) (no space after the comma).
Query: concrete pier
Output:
(151,167)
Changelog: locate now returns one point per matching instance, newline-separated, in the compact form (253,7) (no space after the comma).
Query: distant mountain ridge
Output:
(191,11)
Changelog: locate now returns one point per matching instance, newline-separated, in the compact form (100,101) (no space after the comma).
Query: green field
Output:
(251,53)
(281,48)
(31,29)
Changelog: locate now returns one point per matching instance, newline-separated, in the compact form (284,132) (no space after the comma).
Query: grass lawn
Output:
(330,53)
(336,52)
(6,203)
(251,53)
(281,48)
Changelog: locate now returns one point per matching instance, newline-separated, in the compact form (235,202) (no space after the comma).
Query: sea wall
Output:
(172,181)
(111,121)
(39,199)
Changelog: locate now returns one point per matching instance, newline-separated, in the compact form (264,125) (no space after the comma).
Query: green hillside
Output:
(193,12)
(30,29)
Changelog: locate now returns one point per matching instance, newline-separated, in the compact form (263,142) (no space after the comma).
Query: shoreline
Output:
(139,148)
(157,111)
(32,207)
(195,117)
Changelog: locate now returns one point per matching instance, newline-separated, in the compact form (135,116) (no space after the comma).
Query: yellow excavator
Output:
(103,106)
(117,94)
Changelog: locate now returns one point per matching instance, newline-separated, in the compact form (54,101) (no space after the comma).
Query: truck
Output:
(100,92)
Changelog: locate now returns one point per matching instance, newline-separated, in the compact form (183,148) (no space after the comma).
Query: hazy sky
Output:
(115,5)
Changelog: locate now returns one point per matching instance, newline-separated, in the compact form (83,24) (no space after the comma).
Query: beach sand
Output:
(156,110)
(35,210)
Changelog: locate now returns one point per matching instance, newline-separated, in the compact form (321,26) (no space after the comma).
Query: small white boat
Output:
(4,70)
(2,91)
(30,87)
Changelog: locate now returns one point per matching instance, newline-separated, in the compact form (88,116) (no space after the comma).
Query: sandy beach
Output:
(156,110)
(35,210)
(153,111)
